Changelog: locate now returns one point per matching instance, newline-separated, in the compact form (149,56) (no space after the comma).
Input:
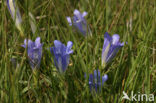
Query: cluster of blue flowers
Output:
(62,53)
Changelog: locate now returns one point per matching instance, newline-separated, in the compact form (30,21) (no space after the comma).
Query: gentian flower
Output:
(34,52)
(110,47)
(15,14)
(79,23)
(95,80)
(61,54)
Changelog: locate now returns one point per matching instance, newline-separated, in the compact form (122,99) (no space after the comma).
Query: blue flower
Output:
(61,54)
(78,21)
(15,13)
(34,52)
(110,47)
(95,80)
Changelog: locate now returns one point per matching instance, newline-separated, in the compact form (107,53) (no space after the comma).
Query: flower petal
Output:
(95,76)
(122,44)
(98,76)
(37,42)
(84,14)
(112,52)
(69,21)
(77,13)
(31,44)
(106,47)
(115,39)
(104,78)
(58,46)
(25,43)
(91,78)
(107,37)
(69,46)
(90,82)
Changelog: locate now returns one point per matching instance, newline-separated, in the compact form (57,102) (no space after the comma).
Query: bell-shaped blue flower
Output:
(79,23)
(61,54)
(110,47)
(95,80)
(34,52)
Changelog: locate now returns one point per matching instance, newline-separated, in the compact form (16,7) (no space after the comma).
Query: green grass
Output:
(133,68)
